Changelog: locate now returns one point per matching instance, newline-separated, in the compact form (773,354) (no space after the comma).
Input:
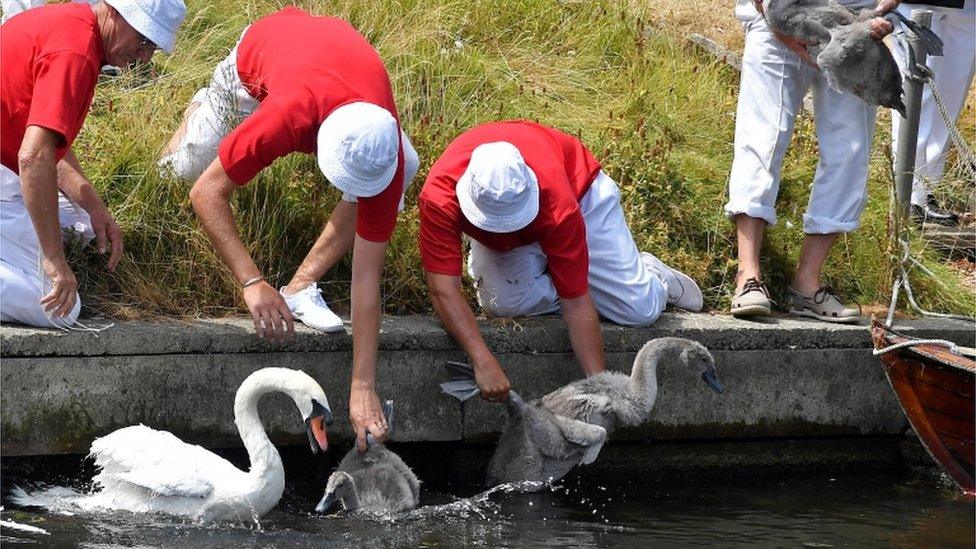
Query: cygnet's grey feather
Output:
(850,59)
(807,20)
(374,482)
(856,63)
(545,438)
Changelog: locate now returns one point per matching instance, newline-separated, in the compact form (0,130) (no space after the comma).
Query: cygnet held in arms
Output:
(851,60)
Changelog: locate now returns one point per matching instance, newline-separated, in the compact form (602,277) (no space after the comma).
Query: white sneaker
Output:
(309,307)
(683,292)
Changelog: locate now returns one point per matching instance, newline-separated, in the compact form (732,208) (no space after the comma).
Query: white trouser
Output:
(222,106)
(22,279)
(516,283)
(953,76)
(773,83)
(13,7)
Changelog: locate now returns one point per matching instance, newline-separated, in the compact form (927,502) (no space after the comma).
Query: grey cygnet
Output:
(850,59)
(376,482)
(545,438)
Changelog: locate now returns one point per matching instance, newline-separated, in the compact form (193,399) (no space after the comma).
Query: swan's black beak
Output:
(711,379)
(327,502)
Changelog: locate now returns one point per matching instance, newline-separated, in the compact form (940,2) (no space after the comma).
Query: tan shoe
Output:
(753,300)
(823,305)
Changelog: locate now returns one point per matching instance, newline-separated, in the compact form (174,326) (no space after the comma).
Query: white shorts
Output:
(516,283)
(773,83)
(22,279)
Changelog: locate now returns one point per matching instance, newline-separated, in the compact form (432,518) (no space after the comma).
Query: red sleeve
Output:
(376,216)
(265,135)
(568,257)
(440,240)
(64,83)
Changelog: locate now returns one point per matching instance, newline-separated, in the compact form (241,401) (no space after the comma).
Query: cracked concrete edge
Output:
(424,333)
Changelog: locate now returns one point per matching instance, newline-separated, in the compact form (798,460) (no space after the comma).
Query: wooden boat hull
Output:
(936,390)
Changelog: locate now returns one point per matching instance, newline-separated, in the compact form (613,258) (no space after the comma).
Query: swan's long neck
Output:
(262,454)
(643,377)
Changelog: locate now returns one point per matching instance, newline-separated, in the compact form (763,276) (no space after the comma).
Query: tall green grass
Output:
(658,115)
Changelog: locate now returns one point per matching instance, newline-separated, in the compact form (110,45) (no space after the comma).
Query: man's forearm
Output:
(38,183)
(456,315)
(74,184)
(585,336)
(367,269)
(210,197)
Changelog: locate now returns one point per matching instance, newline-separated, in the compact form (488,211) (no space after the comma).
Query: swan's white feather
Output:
(158,461)
(143,470)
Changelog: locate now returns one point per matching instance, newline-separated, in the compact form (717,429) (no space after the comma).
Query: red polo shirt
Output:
(565,169)
(301,68)
(51,57)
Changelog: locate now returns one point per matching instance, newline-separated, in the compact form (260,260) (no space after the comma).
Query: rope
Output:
(903,282)
(953,348)
(966,165)
(967,161)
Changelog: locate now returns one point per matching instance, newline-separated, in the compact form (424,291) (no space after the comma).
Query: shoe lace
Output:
(753,285)
(317,297)
(823,294)
(826,291)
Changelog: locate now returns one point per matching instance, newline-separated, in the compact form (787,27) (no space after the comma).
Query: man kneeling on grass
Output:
(51,57)
(314,85)
(547,234)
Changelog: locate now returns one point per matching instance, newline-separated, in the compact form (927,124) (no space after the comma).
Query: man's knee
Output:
(183,164)
(637,311)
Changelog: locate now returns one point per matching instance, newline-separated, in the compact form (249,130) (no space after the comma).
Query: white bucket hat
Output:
(498,192)
(157,20)
(358,146)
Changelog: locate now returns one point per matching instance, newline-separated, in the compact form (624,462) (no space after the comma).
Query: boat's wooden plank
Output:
(918,398)
(947,379)
(945,424)
(902,384)
(946,402)
(940,354)
(963,451)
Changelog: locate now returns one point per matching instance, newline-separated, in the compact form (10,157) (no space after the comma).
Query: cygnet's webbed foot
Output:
(930,41)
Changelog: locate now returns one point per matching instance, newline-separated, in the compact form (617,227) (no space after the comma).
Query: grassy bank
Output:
(657,114)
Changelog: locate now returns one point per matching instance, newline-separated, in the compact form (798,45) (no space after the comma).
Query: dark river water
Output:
(585,510)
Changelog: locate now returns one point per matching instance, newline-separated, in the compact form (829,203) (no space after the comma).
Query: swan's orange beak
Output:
(317,438)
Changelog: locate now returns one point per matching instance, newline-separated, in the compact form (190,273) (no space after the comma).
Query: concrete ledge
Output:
(785,379)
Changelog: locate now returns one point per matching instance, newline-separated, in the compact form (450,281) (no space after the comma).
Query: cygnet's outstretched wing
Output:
(589,437)
(157,461)
(574,403)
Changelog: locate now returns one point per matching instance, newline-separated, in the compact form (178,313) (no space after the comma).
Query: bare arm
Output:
(364,405)
(39,184)
(584,333)
(210,197)
(78,189)
(460,322)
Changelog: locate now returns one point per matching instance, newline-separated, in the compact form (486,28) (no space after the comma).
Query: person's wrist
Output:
(362,385)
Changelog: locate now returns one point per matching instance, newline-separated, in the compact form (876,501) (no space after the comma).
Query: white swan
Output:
(144,470)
